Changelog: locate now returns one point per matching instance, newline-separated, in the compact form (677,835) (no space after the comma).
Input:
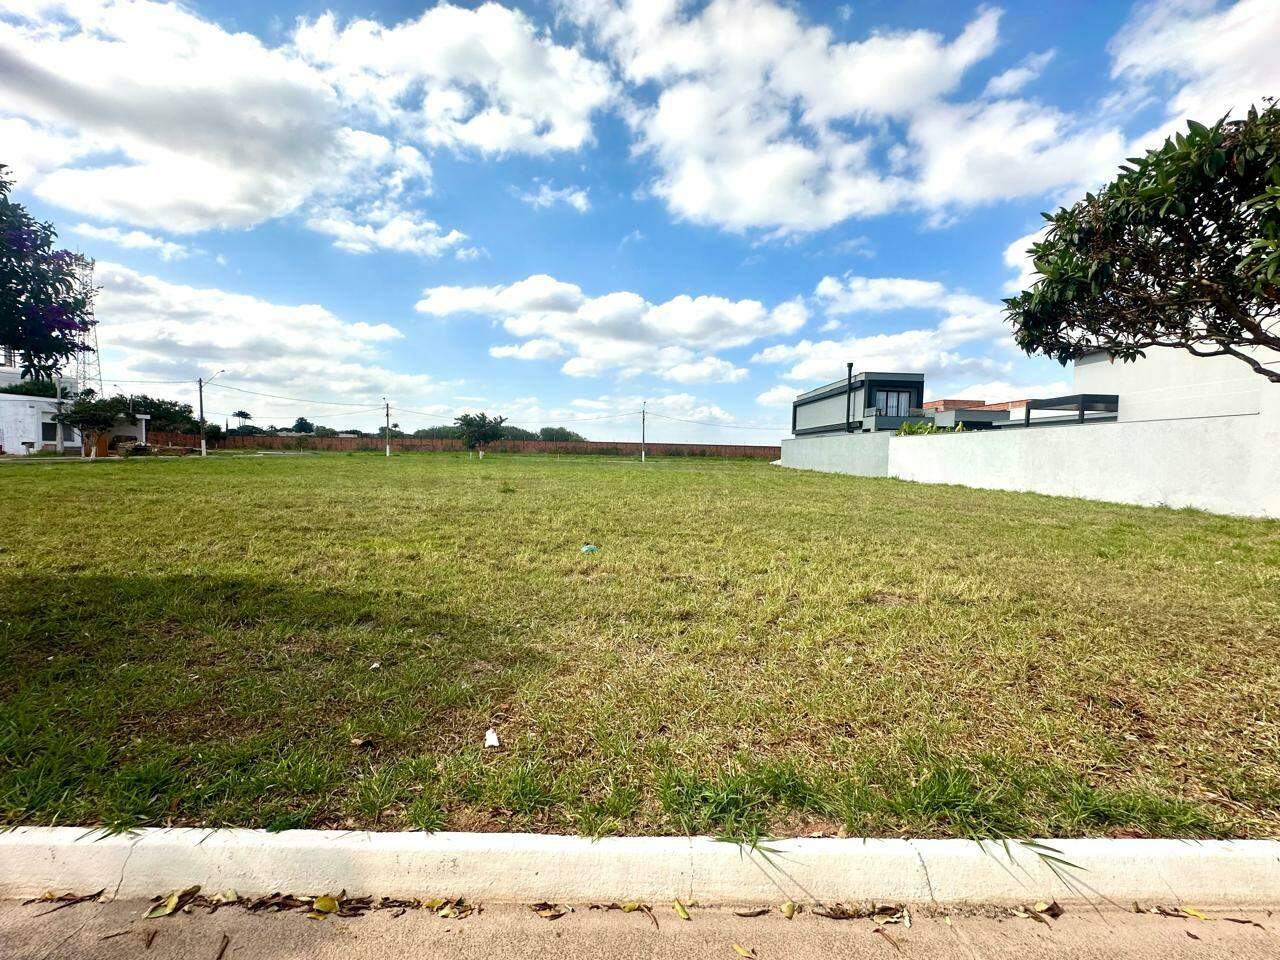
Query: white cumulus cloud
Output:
(150,329)
(621,331)
(133,240)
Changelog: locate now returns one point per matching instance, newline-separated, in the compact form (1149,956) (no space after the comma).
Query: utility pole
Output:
(644,413)
(387,405)
(200,387)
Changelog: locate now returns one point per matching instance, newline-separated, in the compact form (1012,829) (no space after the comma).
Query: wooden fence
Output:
(587,447)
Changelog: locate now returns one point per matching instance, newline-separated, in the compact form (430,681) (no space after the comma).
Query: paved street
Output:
(105,931)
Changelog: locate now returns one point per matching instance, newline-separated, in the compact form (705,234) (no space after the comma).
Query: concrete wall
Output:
(1221,464)
(861,454)
(1226,464)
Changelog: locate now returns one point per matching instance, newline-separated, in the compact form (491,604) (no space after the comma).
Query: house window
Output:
(48,432)
(893,403)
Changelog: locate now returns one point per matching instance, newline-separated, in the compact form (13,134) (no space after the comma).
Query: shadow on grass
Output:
(131,700)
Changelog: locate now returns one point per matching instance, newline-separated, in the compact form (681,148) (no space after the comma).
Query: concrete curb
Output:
(505,867)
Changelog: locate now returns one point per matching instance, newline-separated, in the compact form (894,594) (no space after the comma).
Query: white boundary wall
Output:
(1223,464)
(861,454)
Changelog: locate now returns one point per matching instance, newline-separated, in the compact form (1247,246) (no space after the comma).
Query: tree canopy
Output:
(94,416)
(1181,250)
(449,432)
(31,388)
(517,433)
(561,435)
(168,416)
(479,429)
(45,307)
(303,425)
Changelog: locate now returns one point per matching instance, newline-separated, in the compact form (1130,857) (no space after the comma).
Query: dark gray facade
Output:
(860,403)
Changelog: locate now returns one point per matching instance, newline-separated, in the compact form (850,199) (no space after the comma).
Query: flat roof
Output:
(861,377)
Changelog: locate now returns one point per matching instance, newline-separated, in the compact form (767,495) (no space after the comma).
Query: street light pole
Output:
(200,389)
(387,405)
(644,413)
(200,385)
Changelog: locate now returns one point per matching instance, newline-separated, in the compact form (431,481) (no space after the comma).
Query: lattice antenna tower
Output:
(88,362)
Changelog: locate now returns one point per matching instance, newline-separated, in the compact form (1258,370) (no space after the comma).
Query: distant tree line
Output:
(171,416)
(473,429)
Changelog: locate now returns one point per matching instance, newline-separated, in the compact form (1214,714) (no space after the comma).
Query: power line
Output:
(274,396)
(116,380)
(712,423)
(610,416)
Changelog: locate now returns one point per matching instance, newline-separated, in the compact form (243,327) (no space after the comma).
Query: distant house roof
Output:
(945,405)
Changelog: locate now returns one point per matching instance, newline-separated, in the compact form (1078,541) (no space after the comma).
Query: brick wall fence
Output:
(619,449)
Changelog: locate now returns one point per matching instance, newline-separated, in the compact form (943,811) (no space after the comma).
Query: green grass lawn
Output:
(322,641)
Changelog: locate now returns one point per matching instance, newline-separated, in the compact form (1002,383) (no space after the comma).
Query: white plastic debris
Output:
(375,665)
(491,738)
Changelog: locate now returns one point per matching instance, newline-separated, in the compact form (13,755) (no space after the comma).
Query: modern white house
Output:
(27,424)
(1168,429)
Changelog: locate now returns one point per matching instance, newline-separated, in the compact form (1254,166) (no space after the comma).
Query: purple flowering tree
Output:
(44,306)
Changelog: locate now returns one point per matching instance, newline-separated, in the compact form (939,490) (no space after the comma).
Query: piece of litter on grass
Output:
(375,665)
(589,548)
(681,911)
(491,738)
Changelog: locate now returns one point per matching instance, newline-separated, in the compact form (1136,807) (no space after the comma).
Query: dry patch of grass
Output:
(323,641)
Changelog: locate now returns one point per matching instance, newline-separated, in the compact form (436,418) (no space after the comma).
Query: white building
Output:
(1169,384)
(27,424)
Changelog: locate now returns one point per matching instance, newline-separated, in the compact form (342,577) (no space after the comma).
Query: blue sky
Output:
(554,210)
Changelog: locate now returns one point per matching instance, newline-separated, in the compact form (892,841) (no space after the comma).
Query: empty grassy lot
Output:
(322,641)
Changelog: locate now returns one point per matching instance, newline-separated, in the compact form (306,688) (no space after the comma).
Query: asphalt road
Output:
(117,930)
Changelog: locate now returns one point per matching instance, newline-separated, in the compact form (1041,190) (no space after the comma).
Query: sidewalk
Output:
(106,931)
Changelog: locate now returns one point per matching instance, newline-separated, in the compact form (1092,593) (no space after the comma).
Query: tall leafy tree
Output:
(479,429)
(45,308)
(1181,250)
(94,416)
